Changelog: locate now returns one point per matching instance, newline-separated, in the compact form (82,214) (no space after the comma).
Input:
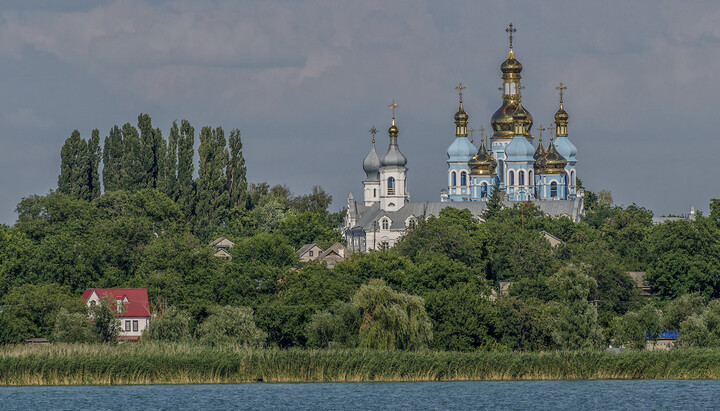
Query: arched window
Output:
(374,192)
(463,178)
(511,178)
(501,169)
(483,190)
(553,189)
(521,178)
(391,186)
(530,178)
(385,223)
(453,179)
(572,178)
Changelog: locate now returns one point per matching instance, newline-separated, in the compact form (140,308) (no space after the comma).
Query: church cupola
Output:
(371,164)
(393,174)
(561,117)
(552,162)
(540,149)
(393,157)
(482,163)
(502,120)
(461,116)
(519,117)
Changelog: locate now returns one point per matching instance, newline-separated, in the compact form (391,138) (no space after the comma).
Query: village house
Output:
(132,307)
(313,252)
(222,245)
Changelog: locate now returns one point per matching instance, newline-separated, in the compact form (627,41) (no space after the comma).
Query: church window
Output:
(463,178)
(502,169)
(374,192)
(521,178)
(391,186)
(385,224)
(483,190)
(572,178)
(553,189)
(453,179)
(530,178)
(511,178)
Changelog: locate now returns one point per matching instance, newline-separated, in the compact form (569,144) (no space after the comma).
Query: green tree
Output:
(316,202)
(112,160)
(634,328)
(308,227)
(73,179)
(231,326)
(152,152)
(236,171)
(104,316)
(212,184)
(94,155)
(390,319)
(173,325)
(168,182)
(186,185)
(74,328)
(133,174)
(264,248)
(337,327)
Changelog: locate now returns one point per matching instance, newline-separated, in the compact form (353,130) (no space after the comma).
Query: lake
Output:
(568,395)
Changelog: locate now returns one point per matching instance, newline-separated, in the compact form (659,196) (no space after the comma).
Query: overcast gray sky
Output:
(305,80)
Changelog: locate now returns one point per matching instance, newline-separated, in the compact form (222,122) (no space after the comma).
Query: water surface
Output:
(514,395)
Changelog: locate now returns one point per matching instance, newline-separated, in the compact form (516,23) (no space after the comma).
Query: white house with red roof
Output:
(134,313)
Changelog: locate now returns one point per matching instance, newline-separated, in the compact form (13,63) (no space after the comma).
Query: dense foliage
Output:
(452,282)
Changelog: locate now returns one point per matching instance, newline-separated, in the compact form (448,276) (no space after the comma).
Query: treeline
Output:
(137,158)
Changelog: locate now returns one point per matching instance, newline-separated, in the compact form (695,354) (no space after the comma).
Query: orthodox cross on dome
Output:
(393,106)
(510,30)
(561,88)
(482,133)
(472,131)
(460,87)
(550,129)
(540,130)
(373,131)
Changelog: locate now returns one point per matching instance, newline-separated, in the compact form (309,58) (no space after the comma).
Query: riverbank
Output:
(78,364)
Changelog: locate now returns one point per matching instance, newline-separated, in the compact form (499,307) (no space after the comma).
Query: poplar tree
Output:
(236,172)
(169,177)
(94,154)
(212,190)
(112,160)
(133,173)
(152,151)
(73,173)
(185,184)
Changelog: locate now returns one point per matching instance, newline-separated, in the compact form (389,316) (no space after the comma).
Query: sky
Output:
(304,81)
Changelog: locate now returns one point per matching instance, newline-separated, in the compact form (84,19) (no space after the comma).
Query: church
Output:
(521,170)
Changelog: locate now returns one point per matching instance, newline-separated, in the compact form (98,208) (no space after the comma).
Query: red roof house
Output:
(134,315)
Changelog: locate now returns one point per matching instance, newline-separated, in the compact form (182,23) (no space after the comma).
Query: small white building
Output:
(131,304)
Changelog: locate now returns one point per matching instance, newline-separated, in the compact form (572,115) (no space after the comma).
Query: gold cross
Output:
(472,131)
(482,133)
(393,106)
(510,30)
(550,129)
(561,87)
(540,129)
(461,88)
(373,131)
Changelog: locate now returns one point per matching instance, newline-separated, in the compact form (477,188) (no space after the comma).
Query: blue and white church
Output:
(513,165)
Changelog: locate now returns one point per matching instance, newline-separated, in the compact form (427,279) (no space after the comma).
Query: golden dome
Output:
(511,65)
(461,116)
(393,130)
(540,150)
(552,162)
(482,163)
(561,116)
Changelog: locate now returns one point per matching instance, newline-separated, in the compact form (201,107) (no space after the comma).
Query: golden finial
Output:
(373,131)
(550,129)
(472,131)
(561,88)
(460,87)
(482,133)
(393,106)
(540,130)
(510,30)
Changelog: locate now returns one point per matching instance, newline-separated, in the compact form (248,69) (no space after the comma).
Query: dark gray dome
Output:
(371,165)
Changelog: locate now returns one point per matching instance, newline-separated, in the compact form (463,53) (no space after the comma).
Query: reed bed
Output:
(75,364)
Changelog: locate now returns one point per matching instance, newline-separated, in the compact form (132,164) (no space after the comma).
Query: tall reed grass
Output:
(70,364)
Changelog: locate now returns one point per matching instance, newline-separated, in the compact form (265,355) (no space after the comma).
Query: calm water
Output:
(546,395)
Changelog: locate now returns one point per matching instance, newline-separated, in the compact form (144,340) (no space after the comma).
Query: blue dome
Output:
(519,149)
(371,165)
(566,148)
(461,150)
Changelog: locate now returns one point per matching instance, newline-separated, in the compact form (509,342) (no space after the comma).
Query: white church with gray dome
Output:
(514,165)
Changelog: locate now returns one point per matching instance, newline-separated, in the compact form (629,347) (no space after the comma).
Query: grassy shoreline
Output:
(78,364)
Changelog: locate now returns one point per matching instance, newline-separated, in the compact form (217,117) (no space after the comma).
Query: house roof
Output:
(304,249)
(137,304)
(222,242)
(337,249)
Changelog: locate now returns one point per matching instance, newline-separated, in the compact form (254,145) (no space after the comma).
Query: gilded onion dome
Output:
(540,150)
(552,162)
(511,65)
(461,116)
(482,164)
(371,164)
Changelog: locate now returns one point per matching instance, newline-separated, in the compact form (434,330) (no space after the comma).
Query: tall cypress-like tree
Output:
(169,177)
(212,189)
(133,174)
(185,183)
(112,160)
(94,154)
(73,166)
(236,171)
(152,151)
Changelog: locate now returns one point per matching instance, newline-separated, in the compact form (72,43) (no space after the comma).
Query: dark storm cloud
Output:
(305,80)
